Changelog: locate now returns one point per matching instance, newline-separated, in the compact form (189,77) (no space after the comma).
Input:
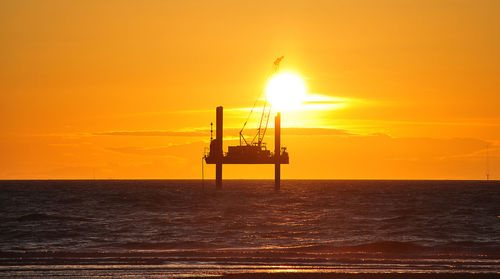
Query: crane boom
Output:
(266,111)
(264,117)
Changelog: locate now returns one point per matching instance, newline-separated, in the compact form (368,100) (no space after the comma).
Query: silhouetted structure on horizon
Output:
(248,153)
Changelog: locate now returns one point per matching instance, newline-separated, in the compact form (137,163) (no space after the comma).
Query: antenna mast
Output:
(211,131)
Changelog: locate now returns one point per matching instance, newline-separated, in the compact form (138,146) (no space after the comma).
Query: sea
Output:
(184,228)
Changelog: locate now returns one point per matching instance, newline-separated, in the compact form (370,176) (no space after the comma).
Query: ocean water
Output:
(179,228)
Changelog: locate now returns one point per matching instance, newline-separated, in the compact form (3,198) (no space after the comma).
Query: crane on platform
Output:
(258,138)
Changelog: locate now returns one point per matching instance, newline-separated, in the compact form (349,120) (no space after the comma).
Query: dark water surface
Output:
(175,225)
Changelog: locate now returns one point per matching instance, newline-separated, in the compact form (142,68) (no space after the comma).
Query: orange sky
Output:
(127,89)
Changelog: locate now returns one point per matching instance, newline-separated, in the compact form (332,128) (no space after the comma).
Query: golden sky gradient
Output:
(127,89)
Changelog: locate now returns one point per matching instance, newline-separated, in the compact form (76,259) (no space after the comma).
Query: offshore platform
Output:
(248,151)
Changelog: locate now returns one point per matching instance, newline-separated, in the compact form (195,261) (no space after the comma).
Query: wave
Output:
(47,217)
(159,246)
(407,248)
(384,249)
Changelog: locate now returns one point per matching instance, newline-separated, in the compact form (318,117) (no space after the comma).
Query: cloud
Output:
(193,133)
(325,102)
(177,151)
(379,156)
(291,131)
(320,102)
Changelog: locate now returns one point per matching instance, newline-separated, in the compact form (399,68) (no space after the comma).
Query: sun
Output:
(285,91)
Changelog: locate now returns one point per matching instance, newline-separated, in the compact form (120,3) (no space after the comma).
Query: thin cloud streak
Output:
(194,133)
(291,131)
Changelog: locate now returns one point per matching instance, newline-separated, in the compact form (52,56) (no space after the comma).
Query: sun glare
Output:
(285,91)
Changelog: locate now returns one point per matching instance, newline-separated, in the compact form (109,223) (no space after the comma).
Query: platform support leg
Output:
(277,176)
(219,137)
(218,176)
(277,151)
